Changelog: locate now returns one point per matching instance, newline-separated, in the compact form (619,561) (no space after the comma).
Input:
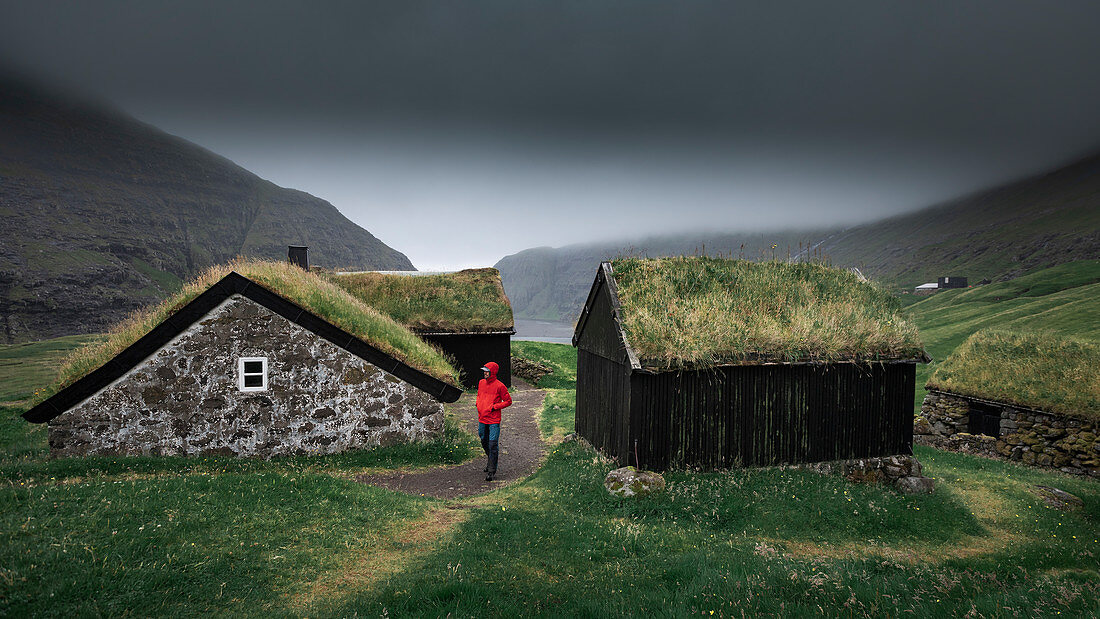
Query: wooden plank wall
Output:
(603,403)
(767,415)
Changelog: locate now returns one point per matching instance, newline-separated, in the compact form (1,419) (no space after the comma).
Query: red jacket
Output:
(492,396)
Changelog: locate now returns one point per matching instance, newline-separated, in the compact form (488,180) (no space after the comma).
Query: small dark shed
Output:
(952,282)
(747,409)
(463,313)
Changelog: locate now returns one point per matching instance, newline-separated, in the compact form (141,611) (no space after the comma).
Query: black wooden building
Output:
(731,415)
(471,350)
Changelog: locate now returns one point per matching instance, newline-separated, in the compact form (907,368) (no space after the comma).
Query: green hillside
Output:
(1064,299)
(102,215)
(998,234)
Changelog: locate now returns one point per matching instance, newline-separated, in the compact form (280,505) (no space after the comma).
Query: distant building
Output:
(952,282)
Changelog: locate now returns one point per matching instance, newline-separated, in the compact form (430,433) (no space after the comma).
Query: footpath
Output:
(521,451)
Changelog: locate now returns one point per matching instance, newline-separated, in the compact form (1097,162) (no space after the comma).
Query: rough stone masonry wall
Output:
(184,399)
(1041,439)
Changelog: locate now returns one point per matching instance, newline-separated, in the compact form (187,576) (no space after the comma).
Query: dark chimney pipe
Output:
(297,256)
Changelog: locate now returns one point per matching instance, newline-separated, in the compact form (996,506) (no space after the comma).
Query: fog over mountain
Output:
(459,133)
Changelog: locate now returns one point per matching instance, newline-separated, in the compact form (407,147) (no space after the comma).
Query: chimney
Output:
(297,256)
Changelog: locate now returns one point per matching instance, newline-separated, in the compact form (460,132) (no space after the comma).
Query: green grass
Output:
(562,358)
(308,290)
(464,301)
(166,281)
(297,537)
(698,312)
(1036,370)
(26,367)
(760,542)
(1064,300)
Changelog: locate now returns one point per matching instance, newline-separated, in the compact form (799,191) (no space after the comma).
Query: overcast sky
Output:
(459,132)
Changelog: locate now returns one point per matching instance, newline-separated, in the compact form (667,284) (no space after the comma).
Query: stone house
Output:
(970,424)
(241,370)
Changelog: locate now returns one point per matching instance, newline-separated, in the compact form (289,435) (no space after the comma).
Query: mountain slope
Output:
(997,234)
(101,214)
(1064,300)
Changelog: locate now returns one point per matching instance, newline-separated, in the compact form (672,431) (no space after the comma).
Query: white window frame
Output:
(241,374)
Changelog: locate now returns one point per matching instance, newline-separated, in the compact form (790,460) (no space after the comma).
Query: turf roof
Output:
(302,288)
(701,312)
(468,301)
(1040,371)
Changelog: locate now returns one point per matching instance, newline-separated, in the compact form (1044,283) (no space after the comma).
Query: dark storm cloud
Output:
(580,120)
(705,66)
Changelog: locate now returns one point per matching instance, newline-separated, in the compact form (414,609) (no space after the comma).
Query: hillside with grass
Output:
(298,536)
(997,234)
(102,215)
(1062,300)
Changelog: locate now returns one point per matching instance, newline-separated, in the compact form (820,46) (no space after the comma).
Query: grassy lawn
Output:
(561,357)
(1064,300)
(295,536)
(26,367)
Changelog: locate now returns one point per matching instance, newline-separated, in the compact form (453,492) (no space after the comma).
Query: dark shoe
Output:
(488,477)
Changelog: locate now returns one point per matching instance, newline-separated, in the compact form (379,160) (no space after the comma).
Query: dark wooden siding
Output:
(603,403)
(766,415)
(601,334)
(472,350)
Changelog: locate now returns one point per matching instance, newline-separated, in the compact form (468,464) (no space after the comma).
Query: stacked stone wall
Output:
(185,399)
(1037,438)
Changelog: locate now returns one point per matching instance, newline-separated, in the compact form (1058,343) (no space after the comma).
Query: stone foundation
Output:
(185,398)
(903,473)
(1032,437)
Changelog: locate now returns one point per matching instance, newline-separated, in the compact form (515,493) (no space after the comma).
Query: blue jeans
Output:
(489,433)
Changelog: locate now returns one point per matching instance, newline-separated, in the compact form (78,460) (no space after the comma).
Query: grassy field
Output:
(699,312)
(27,367)
(1064,300)
(468,300)
(297,537)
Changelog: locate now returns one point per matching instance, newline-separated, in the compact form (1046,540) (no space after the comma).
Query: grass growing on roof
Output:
(468,300)
(310,291)
(1037,370)
(699,311)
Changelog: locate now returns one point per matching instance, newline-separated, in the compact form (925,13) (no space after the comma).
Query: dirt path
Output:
(521,451)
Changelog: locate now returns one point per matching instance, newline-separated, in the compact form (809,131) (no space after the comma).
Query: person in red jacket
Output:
(492,396)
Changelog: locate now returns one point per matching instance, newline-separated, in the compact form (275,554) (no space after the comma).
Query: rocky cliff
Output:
(101,214)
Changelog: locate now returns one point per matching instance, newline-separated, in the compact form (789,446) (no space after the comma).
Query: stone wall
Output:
(1041,439)
(184,399)
(903,473)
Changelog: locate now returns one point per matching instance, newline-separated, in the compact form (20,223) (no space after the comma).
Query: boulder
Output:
(628,481)
(914,485)
(530,371)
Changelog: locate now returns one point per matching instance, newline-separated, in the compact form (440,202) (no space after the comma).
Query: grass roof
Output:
(700,312)
(466,301)
(1042,371)
(307,290)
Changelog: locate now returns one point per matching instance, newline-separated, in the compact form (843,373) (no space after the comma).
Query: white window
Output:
(252,373)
